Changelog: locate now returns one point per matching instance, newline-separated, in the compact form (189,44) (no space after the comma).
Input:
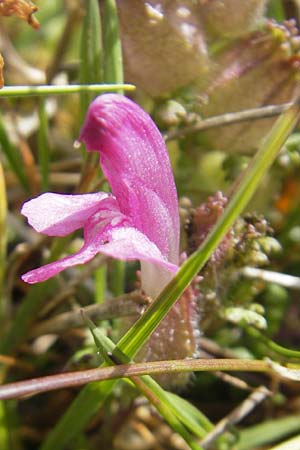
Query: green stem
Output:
(271,344)
(43,145)
(117,279)
(100,275)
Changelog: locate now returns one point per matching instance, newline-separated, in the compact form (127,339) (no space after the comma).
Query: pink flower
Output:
(139,220)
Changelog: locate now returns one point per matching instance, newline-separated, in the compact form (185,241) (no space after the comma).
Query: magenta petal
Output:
(135,160)
(129,244)
(119,242)
(85,254)
(58,214)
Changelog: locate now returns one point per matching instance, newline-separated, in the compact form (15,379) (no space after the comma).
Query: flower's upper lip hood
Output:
(135,161)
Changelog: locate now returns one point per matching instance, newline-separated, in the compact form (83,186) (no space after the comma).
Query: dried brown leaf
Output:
(20,8)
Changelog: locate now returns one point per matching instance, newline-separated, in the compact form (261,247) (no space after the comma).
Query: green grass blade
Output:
(90,52)
(267,432)
(4,429)
(100,276)
(30,91)
(3,211)
(12,155)
(76,418)
(25,315)
(190,415)
(43,145)
(279,349)
(113,65)
(117,278)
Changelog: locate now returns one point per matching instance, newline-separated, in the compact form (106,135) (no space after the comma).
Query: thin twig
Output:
(229,118)
(124,305)
(236,415)
(79,378)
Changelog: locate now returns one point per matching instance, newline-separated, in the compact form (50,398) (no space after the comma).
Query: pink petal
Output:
(118,241)
(135,160)
(58,214)
(85,254)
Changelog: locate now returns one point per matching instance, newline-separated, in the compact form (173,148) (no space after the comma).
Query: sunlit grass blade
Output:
(90,52)
(267,432)
(12,155)
(141,330)
(192,417)
(43,144)
(290,444)
(29,91)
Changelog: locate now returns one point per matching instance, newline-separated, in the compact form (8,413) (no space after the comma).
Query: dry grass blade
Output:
(256,397)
